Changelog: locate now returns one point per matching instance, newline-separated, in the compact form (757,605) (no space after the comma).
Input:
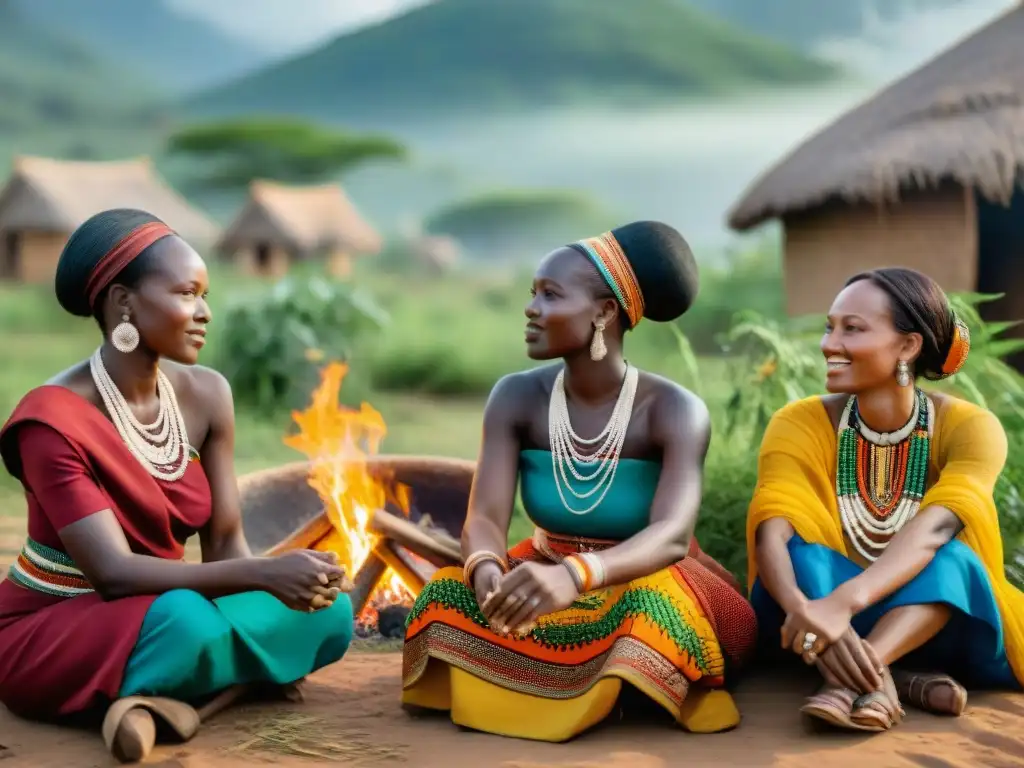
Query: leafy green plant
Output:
(772,366)
(274,343)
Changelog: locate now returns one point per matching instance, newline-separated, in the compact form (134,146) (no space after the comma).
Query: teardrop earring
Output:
(903,373)
(597,346)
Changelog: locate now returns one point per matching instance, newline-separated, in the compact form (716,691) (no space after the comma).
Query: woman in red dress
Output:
(123,457)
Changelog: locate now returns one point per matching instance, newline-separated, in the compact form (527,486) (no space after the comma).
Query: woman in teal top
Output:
(537,641)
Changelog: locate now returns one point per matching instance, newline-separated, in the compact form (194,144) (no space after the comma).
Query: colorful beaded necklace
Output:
(881,478)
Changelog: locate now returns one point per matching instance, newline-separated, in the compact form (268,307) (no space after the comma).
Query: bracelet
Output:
(476,559)
(595,567)
(578,571)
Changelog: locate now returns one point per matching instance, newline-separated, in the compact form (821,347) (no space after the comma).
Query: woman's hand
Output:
(827,619)
(303,580)
(485,580)
(850,663)
(529,591)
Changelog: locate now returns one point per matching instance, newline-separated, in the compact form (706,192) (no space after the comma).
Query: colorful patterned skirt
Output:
(676,635)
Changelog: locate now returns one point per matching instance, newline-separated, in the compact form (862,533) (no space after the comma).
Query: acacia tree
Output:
(234,152)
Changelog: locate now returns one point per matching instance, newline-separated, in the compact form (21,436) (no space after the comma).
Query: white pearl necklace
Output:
(567,448)
(161,447)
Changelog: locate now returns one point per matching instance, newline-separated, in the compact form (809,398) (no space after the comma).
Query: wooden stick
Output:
(366,579)
(390,553)
(436,547)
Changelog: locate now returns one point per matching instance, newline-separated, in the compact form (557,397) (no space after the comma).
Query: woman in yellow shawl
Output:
(873,535)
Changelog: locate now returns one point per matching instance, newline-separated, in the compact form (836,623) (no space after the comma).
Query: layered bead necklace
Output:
(881,477)
(161,447)
(569,449)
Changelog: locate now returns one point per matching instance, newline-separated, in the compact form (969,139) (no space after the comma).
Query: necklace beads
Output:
(569,449)
(881,477)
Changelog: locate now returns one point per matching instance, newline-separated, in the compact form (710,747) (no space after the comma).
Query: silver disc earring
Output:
(125,336)
(903,373)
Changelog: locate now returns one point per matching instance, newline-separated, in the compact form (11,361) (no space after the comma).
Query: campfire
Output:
(339,442)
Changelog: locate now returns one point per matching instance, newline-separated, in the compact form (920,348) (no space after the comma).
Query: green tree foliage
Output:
(234,152)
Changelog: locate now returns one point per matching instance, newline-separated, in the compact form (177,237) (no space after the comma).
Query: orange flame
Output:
(338,440)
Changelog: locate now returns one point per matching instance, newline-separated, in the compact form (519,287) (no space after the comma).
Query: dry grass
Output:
(310,737)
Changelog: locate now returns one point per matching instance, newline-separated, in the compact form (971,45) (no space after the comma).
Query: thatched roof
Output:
(58,195)
(959,117)
(301,220)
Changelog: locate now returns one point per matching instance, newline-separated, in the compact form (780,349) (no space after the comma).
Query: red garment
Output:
(63,655)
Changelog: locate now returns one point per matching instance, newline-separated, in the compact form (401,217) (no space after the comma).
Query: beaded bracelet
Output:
(578,571)
(476,559)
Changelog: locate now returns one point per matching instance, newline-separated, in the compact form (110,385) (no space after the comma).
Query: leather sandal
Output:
(833,706)
(916,689)
(875,708)
(130,725)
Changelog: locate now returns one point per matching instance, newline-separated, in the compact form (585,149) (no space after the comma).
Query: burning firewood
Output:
(366,579)
(433,545)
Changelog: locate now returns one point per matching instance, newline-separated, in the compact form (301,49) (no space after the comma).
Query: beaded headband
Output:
(610,260)
(959,348)
(121,255)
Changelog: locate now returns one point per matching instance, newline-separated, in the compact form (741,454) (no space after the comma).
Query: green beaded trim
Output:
(646,603)
(917,460)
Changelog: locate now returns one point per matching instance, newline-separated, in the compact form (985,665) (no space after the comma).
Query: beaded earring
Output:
(903,373)
(597,347)
(125,336)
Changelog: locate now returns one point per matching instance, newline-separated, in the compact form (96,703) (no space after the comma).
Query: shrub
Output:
(272,343)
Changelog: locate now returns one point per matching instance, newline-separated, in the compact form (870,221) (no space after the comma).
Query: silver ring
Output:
(809,640)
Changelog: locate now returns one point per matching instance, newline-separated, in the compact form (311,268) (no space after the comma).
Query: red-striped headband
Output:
(121,255)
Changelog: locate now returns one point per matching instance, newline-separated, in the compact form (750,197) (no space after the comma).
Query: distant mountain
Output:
(805,22)
(181,52)
(482,55)
(49,80)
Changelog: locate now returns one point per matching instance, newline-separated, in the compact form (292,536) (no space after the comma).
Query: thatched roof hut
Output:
(45,200)
(924,174)
(280,223)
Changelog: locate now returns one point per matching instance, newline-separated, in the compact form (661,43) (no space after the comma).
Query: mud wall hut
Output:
(280,224)
(925,174)
(44,200)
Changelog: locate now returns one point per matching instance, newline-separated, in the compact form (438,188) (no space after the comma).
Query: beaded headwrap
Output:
(122,254)
(959,348)
(610,260)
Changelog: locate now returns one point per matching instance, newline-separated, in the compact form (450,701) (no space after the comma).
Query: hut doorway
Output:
(1001,262)
(10,257)
(262,258)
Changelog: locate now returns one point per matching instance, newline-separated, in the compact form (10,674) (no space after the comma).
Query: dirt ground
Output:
(352,717)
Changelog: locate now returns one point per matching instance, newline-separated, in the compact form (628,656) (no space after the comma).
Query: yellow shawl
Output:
(796,480)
